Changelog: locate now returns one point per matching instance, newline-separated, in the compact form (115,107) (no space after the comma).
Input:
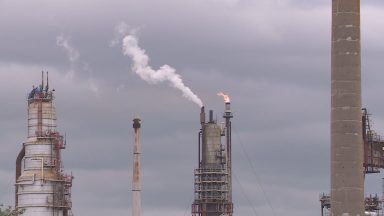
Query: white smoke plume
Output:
(72,53)
(76,64)
(164,73)
(120,30)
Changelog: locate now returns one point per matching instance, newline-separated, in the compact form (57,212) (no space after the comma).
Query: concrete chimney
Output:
(136,181)
(347,153)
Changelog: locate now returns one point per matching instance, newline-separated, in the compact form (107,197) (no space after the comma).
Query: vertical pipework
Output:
(19,160)
(47,86)
(42,80)
(228,138)
(202,122)
(202,116)
(39,132)
(347,174)
(136,187)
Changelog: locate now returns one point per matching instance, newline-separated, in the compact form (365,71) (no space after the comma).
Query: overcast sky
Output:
(271,56)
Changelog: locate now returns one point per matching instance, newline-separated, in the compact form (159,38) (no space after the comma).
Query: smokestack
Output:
(347,153)
(210,116)
(42,80)
(228,140)
(202,115)
(136,181)
(47,87)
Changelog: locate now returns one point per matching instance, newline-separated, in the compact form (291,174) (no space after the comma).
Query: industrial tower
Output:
(213,177)
(42,188)
(356,149)
(136,177)
(347,150)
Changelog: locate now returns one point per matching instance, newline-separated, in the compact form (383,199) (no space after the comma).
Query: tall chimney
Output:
(347,153)
(136,182)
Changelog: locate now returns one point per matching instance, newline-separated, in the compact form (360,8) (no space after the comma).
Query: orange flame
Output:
(226,97)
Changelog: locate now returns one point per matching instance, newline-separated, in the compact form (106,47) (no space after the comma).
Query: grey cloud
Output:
(272,59)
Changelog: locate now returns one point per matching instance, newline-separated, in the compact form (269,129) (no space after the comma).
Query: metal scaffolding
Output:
(213,177)
(373,163)
(373,146)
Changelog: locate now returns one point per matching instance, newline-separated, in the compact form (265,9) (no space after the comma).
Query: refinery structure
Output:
(42,187)
(213,177)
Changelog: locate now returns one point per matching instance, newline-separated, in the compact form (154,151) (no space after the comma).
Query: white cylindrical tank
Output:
(42,189)
(48,114)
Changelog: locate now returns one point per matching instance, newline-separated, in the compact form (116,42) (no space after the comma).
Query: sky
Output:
(271,56)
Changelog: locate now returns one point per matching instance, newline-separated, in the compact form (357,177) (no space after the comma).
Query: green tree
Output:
(8,211)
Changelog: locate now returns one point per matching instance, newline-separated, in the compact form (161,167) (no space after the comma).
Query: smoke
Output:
(76,64)
(72,53)
(164,73)
(120,30)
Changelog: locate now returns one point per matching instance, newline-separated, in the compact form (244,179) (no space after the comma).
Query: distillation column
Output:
(42,189)
(347,173)
(136,181)
(213,175)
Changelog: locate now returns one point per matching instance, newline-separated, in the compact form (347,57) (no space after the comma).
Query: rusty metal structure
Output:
(325,202)
(42,187)
(136,180)
(373,146)
(373,205)
(213,177)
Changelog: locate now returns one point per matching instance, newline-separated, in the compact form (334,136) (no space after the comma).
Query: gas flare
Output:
(226,97)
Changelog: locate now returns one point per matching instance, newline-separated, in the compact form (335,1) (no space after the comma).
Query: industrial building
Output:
(42,187)
(213,177)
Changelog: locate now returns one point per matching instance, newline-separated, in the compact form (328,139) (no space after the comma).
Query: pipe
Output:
(202,122)
(18,173)
(199,149)
(228,138)
(42,81)
(202,116)
(136,181)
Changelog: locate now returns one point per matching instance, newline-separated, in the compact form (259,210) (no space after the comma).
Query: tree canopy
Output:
(8,211)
